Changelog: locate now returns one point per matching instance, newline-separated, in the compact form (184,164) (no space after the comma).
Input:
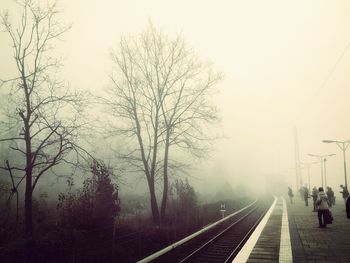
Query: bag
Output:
(328,217)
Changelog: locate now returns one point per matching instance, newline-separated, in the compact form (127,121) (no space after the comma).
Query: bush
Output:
(183,206)
(95,205)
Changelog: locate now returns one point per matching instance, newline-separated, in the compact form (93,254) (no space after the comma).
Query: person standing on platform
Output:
(322,208)
(290,194)
(330,196)
(306,196)
(314,197)
(301,192)
(345,192)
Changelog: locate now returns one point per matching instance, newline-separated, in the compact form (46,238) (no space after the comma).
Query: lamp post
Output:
(325,173)
(343,145)
(322,158)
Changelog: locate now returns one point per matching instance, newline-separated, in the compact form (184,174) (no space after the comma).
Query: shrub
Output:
(183,203)
(93,206)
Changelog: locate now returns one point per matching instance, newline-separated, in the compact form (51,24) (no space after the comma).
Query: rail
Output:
(246,237)
(186,239)
(190,256)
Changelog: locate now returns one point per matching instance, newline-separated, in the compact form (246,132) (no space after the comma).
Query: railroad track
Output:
(220,243)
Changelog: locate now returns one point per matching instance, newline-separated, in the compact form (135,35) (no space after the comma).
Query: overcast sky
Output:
(278,58)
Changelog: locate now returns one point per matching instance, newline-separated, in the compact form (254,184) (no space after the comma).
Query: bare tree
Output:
(186,113)
(161,93)
(45,119)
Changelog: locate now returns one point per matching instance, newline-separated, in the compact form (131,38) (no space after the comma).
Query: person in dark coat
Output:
(348,207)
(301,192)
(290,194)
(314,197)
(330,196)
(345,192)
(306,196)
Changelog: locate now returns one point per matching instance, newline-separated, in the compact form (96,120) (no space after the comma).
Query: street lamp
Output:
(343,146)
(324,164)
(323,159)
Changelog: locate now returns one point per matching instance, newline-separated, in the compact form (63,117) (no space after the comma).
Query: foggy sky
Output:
(275,55)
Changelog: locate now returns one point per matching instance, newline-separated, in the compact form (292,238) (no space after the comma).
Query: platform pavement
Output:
(313,244)
(309,243)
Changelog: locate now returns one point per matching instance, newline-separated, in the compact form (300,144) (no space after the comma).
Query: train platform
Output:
(290,233)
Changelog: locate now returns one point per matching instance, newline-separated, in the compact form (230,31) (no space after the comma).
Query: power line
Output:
(325,81)
(332,69)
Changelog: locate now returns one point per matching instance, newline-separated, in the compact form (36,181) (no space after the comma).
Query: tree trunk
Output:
(165,178)
(28,207)
(28,189)
(154,205)
(29,168)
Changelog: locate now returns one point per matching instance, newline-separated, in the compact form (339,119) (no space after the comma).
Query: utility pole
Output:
(297,161)
(343,145)
(323,159)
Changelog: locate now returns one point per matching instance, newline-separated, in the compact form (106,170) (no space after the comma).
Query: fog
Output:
(285,64)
